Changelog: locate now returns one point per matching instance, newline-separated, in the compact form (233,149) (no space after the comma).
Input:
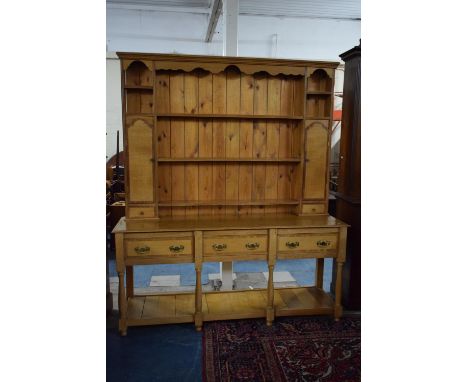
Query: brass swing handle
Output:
(252,245)
(291,244)
(219,247)
(142,250)
(176,248)
(323,243)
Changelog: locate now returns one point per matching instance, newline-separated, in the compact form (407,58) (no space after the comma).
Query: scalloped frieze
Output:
(312,70)
(126,63)
(215,67)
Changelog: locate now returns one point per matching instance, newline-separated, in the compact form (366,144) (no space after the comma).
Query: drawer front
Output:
(140,212)
(307,242)
(180,245)
(313,208)
(220,243)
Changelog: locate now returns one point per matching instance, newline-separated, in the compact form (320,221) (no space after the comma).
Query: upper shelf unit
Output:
(319,81)
(319,95)
(225,136)
(138,85)
(139,75)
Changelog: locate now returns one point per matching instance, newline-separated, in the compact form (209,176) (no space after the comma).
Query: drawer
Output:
(247,243)
(177,244)
(315,208)
(307,242)
(140,212)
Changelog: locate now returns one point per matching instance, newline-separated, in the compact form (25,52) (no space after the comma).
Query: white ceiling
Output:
(328,9)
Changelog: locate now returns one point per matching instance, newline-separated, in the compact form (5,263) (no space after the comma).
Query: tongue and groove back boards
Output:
(225,136)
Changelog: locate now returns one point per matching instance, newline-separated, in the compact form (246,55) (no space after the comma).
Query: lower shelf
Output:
(179,308)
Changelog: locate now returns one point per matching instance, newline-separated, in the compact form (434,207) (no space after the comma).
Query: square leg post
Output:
(270,310)
(319,266)
(198,316)
(129,280)
(339,272)
(339,275)
(119,254)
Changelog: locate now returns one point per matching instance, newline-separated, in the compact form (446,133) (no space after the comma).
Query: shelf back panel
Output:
(230,92)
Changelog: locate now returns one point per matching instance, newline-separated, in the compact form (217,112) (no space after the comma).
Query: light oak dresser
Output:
(227,160)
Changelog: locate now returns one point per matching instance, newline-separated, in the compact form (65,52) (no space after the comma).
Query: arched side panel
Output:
(138,73)
(140,156)
(320,80)
(315,172)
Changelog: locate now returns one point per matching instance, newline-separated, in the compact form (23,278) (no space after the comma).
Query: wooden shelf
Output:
(229,116)
(178,308)
(318,118)
(318,93)
(249,160)
(139,87)
(302,301)
(139,114)
(188,203)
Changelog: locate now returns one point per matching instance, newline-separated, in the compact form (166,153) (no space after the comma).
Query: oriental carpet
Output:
(293,349)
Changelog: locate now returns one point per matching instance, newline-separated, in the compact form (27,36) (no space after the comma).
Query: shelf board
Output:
(249,160)
(139,115)
(141,87)
(319,93)
(177,308)
(302,301)
(230,116)
(319,118)
(194,203)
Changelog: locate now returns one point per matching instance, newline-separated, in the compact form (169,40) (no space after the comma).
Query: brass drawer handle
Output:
(176,248)
(252,245)
(323,243)
(291,244)
(142,250)
(219,247)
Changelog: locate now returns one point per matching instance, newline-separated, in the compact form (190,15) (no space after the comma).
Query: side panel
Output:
(316,144)
(140,160)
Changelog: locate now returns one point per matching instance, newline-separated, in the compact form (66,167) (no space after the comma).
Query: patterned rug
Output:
(293,349)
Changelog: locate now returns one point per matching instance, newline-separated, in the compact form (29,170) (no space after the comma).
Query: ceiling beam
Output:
(155,8)
(216,9)
(230,27)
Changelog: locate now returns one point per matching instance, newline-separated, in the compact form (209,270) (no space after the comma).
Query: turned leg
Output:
(122,306)
(198,318)
(338,284)
(270,310)
(129,279)
(270,313)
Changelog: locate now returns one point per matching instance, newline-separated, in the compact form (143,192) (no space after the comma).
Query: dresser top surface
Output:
(224,59)
(212,223)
